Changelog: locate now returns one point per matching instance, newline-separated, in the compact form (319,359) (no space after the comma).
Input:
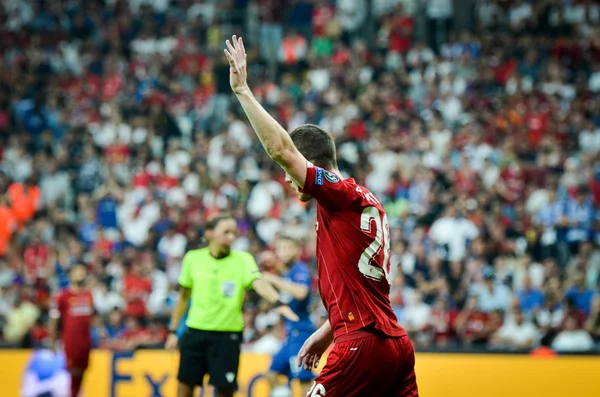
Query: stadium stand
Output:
(480,133)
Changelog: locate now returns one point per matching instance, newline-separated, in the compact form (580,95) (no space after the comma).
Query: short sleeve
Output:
(301,276)
(58,306)
(330,191)
(185,277)
(251,271)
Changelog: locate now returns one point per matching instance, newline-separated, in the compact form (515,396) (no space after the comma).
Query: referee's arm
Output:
(180,307)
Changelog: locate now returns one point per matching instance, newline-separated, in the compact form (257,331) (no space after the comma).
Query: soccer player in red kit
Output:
(72,314)
(371,355)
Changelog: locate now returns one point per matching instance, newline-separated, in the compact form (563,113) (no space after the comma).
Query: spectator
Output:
(293,49)
(516,334)
(19,321)
(580,294)
(471,323)
(453,233)
(137,286)
(416,317)
(592,324)
(439,17)
(105,299)
(271,29)
(491,294)
(351,15)
(550,315)
(531,299)
(572,338)
(578,218)
(442,321)
(171,247)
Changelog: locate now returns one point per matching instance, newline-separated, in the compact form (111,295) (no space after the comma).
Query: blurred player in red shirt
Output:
(72,314)
(372,354)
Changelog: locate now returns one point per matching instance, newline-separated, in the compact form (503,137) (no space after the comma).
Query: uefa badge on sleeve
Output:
(331,177)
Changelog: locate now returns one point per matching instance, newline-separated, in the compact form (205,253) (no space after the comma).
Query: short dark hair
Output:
(316,145)
(214,220)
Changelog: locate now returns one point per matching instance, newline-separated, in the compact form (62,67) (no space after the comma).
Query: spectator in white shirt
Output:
(516,333)
(416,314)
(491,294)
(172,245)
(454,233)
(519,14)
(572,338)
(351,15)
(157,301)
(105,299)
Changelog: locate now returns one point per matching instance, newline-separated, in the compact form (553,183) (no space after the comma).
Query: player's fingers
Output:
(234,40)
(317,361)
(241,44)
(229,57)
(231,62)
(309,361)
(230,47)
(301,355)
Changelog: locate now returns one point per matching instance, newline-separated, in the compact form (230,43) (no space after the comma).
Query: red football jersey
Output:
(353,254)
(76,311)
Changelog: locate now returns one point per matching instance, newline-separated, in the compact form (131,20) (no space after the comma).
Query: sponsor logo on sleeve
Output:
(319,177)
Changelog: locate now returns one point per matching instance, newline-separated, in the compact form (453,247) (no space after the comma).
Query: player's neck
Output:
(218,252)
(335,171)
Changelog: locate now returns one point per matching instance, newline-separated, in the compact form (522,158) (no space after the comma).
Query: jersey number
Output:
(381,241)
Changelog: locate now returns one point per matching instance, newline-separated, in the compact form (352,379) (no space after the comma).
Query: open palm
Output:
(236,55)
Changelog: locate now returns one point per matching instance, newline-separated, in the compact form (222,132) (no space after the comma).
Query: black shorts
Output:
(209,352)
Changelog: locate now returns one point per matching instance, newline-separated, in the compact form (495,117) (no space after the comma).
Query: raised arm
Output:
(272,135)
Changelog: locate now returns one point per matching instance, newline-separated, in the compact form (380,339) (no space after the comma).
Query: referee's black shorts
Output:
(209,352)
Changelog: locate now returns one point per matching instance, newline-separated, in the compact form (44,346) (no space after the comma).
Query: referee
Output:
(215,278)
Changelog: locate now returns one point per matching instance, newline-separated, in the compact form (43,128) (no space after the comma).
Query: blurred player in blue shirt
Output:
(294,288)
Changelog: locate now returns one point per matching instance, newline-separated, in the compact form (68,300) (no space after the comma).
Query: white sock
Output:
(281,391)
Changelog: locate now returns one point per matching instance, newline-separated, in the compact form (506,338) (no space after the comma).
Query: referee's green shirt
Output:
(217,288)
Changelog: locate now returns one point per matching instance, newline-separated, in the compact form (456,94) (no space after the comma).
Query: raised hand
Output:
(236,55)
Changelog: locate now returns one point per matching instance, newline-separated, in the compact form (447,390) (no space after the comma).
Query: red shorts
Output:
(368,365)
(77,358)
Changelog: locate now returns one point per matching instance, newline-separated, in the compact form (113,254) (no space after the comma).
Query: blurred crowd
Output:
(119,137)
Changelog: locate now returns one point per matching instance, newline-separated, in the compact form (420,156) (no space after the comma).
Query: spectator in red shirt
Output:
(471,322)
(136,289)
(441,321)
(35,259)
